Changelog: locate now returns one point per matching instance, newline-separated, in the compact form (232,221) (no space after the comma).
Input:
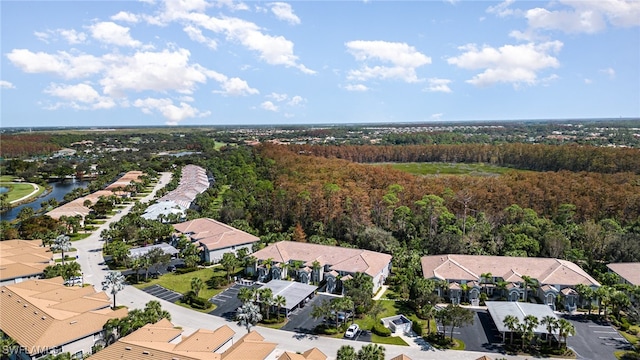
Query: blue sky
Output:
(197,62)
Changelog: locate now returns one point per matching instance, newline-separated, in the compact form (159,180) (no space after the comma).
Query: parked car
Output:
(352,331)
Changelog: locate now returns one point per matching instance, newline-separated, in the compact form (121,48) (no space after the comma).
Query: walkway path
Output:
(92,262)
(36,188)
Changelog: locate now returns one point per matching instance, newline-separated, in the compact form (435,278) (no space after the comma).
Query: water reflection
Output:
(58,191)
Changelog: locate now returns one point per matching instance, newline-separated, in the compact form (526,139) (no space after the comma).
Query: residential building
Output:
(311,354)
(174,204)
(46,317)
(215,238)
(22,260)
(315,263)
(629,272)
(554,279)
(163,341)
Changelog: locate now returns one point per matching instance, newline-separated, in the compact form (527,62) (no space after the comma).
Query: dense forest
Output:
(569,201)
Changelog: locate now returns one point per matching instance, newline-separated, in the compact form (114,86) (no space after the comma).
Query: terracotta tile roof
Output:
(31,314)
(311,354)
(193,181)
(249,347)
(126,179)
(162,331)
(214,234)
(338,258)
(568,291)
(156,341)
(401,357)
(126,351)
(206,340)
(628,271)
(22,258)
(470,267)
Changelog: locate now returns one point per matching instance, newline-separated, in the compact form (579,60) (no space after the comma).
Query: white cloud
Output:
(588,81)
(6,85)
(439,85)
(274,50)
(296,100)
(237,87)
(111,33)
(174,114)
(502,9)
(80,96)
(278,97)
(195,34)
(514,64)
(283,11)
(270,106)
(42,36)
(356,87)
(71,36)
(62,64)
(125,17)
(403,58)
(436,116)
(586,16)
(156,71)
(609,72)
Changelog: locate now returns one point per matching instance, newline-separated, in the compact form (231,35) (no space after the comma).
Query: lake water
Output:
(60,189)
(3,189)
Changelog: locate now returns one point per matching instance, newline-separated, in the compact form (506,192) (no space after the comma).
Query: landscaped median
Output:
(181,283)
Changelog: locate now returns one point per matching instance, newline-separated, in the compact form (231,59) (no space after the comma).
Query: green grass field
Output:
(18,190)
(181,283)
(477,169)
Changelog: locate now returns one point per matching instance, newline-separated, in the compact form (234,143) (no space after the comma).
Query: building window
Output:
(77,355)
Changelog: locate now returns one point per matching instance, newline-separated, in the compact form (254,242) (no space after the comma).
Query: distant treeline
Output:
(26,144)
(536,157)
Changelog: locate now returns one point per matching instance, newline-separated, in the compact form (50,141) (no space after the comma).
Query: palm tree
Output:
(229,263)
(604,293)
(70,270)
(502,286)
(371,352)
(246,294)
(565,329)
(265,297)
(377,309)
(552,324)
(486,278)
(279,301)
(530,323)
(620,301)
(528,281)
(61,243)
(586,294)
(346,352)
(315,266)
(248,315)
(196,285)
(513,324)
(115,281)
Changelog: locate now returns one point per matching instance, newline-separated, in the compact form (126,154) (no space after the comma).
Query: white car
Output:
(352,331)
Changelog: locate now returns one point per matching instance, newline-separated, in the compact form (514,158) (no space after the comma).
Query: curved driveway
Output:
(94,270)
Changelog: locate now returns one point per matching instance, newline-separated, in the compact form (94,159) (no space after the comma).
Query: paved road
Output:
(94,270)
(36,188)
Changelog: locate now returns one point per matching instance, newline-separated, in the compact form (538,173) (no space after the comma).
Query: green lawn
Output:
(477,169)
(18,190)
(181,283)
(367,323)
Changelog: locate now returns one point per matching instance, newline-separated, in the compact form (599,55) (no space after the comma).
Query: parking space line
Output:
(606,332)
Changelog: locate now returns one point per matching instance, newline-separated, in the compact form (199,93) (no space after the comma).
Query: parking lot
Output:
(595,340)
(227,302)
(162,293)
(481,336)
(300,319)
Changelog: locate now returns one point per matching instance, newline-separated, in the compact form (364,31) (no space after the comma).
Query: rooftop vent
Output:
(145,353)
(25,305)
(44,317)
(127,348)
(73,322)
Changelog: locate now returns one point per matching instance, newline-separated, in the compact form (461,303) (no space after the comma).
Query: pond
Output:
(58,191)
(3,189)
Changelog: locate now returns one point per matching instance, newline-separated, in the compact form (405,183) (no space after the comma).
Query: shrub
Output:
(325,330)
(417,327)
(185,270)
(381,330)
(196,302)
